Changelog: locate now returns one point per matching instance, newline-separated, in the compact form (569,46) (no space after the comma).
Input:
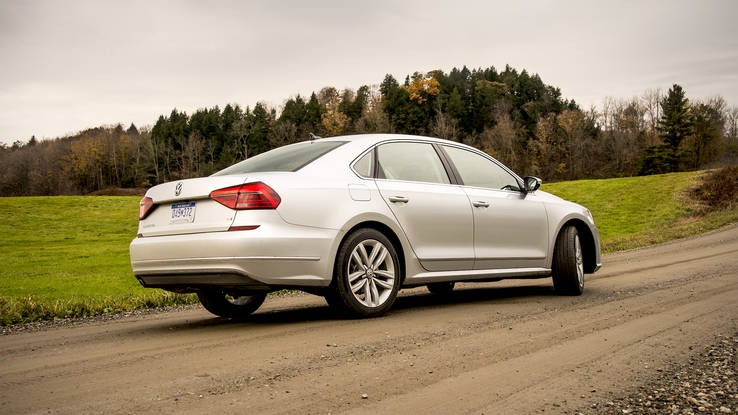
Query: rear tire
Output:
(367,275)
(230,304)
(568,263)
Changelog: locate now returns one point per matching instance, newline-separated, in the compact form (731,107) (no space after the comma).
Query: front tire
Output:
(367,275)
(568,263)
(230,304)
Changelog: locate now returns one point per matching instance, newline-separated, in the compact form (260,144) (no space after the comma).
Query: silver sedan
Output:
(354,219)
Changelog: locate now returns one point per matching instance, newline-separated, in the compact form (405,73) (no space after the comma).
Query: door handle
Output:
(398,199)
(480,203)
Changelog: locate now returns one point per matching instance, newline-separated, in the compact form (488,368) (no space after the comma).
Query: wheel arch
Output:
(587,240)
(386,231)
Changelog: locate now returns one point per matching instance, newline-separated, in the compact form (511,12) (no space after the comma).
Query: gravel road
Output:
(703,384)
(655,332)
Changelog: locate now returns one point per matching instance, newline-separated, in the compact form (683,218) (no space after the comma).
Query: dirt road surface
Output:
(508,347)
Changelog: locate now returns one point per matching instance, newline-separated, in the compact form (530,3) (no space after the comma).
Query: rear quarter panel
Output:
(341,203)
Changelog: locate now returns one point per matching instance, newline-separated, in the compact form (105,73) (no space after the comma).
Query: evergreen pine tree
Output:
(675,123)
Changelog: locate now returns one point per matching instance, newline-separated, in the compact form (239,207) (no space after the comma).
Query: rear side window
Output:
(414,162)
(363,166)
(288,158)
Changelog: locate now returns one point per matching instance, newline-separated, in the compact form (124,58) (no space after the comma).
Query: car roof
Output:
(370,139)
(356,145)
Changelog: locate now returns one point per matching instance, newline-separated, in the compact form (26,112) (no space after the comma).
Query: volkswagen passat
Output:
(354,219)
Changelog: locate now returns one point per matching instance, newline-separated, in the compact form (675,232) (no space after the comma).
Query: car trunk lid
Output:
(184,207)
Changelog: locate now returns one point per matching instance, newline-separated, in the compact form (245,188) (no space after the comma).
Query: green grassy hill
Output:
(633,212)
(68,256)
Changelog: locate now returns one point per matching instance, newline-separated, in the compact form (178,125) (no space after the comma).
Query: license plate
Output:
(183,213)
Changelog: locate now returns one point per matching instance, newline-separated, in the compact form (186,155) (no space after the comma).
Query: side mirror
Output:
(532,183)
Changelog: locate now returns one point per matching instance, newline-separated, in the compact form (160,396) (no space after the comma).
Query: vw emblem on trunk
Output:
(178,189)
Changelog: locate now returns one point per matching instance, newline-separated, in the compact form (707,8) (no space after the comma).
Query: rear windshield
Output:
(288,158)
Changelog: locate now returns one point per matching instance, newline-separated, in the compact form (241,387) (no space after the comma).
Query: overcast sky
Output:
(71,65)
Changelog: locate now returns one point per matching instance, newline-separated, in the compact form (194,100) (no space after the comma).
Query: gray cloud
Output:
(77,64)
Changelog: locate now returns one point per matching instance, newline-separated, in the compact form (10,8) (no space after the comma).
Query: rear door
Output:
(434,214)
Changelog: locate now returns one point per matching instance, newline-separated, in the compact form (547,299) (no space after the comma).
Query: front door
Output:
(510,226)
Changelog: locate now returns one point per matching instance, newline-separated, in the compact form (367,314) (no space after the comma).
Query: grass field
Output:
(634,212)
(68,256)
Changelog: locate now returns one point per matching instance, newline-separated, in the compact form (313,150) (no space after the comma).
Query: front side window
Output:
(414,162)
(288,158)
(478,171)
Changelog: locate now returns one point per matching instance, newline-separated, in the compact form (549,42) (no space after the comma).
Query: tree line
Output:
(510,114)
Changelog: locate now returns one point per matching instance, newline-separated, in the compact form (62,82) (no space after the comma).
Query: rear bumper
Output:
(189,283)
(252,259)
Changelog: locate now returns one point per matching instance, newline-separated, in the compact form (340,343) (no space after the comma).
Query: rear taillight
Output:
(247,196)
(145,207)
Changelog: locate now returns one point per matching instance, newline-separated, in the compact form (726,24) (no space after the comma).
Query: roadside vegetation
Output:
(513,115)
(67,256)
